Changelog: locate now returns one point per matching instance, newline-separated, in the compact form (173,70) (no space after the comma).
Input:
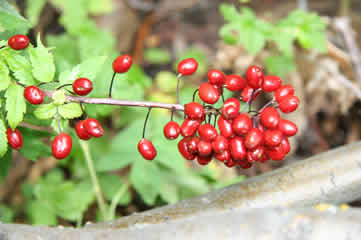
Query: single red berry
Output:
(183,149)
(61,146)
(189,127)
(253,139)
(287,127)
(273,138)
(289,104)
(194,110)
(34,95)
(265,158)
(235,83)
(18,42)
(255,155)
(15,139)
(216,77)
(285,145)
(245,164)
(220,144)
(271,83)
(270,117)
(275,153)
(171,130)
(225,127)
(208,93)
(237,148)
(207,132)
(204,148)
(254,76)
(82,86)
(146,149)
(230,109)
(81,132)
(93,127)
(283,92)
(187,66)
(192,145)
(247,93)
(224,156)
(204,160)
(242,124)
(122,64)
(230,163)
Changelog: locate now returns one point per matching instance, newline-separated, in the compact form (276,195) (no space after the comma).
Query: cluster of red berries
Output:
(243,136)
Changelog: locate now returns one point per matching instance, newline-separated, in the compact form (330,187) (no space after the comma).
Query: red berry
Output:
(189,127)
(194,110)
(230,109)
(208,93)
(275,153)
(171,130)
(93,127)
(285,145)
(34,95)
(245,164)
(220,144)
(237,148)
(187,66)
(283,92)
(204,148)
(254,76)
(273,138)
(204,160)
(225,127)
(253,139)
(235,83)
(81,132)
(207,132)
(247,93)
(270,117)
(18,42)
(271,83)
(61,146)
(256,154)
(15,139)
(192,145)
(183,149)
(230,163)
(122,64)
(242,124)
(287,127)
(146,149)
(224,156)
(82,86)
(216,77)
(289,104)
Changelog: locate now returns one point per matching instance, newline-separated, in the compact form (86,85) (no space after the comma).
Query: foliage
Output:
(244,28)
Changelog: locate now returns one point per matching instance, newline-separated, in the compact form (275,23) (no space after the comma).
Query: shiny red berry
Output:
(225,127)
(171,130)
(285,145)
(81,132)
(287,127)
(245,164)
(207,132)
(247,93)
(189,127)
(61,146)
(235,83)
(183,149)
(271,83)
(237,148)
(254,76)
(289,104)
(208,93)
(255,155)
(122,64)
(194,110)
(82,86)
(230,109)
(15,139)
(216,77)
(254,138)
(34,95)
(242,124)
(204,160)
(270,117)
(147,149)
(230,163)
(275,153)
(204,148)
(93,127)
(18,42)
(192,145)
(273,138)
(187,66)
(283,92)
(220,144)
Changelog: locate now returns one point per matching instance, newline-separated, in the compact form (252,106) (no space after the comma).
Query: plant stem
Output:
(97,189)
(146,121)
(178,83)
(58,120)
(111,85)
(122,190)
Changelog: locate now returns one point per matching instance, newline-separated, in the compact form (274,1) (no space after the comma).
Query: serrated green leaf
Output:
(59,97)
(5,164)
(10,19)
(33,147)
(4,75)
(45,111)
(15,105)
(3,139)
(70,110)
(254,41)
(33,10)
(20,66)
(42,62)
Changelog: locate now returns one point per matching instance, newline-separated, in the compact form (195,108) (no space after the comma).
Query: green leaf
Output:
(33,147)
(40,213)
(70,110)
(3,139)
(253,40)
(100,7)
(169,192)
(111,184)
(4,75)
(59,97)
(5,164)
(42,62)
(10,18)
(157,56)
(15,105)
(7,214)
(45,111)
(229,12)
(33,10)
(280,65)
